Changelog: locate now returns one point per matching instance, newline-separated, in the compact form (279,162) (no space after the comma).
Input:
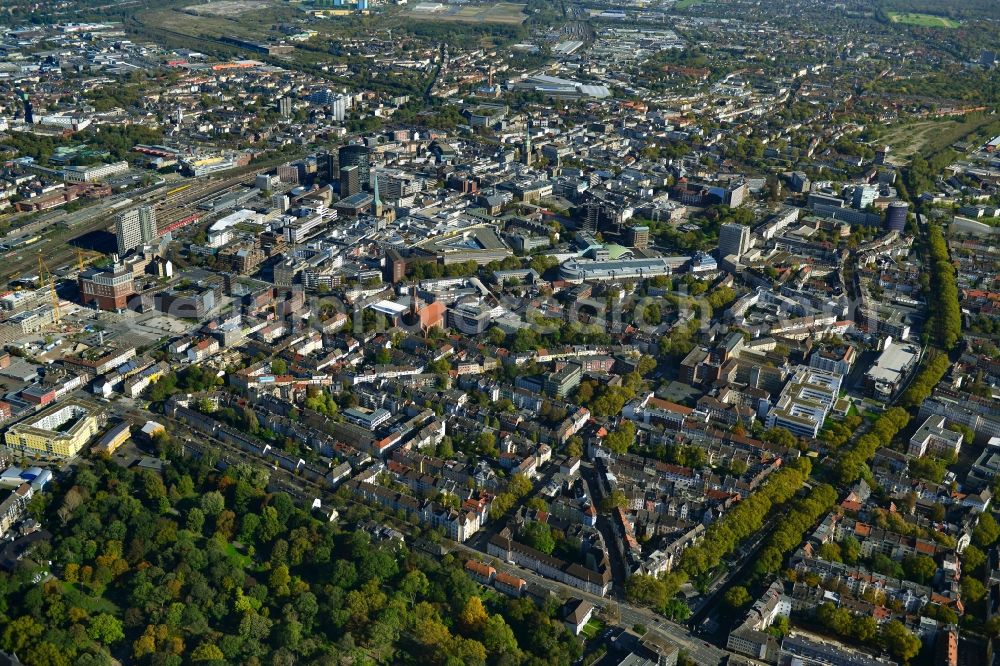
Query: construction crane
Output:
(80,261)
(42,270)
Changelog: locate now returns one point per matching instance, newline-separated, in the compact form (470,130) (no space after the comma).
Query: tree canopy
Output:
(206,567)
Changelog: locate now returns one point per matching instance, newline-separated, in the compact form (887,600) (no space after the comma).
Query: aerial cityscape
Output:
(499,332)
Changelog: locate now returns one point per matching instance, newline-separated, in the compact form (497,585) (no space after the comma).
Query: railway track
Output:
(58,248)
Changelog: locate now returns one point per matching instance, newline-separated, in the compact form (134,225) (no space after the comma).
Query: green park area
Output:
(921,20)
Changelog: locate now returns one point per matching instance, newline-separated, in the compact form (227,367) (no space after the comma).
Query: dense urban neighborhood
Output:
(650,333)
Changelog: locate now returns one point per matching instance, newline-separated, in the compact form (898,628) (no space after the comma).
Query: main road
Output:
(628,615)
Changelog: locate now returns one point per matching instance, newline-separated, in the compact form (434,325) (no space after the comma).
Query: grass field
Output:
(928,136)
(592,628)
(505,13)
(908,138)
(196,25)
(229,7)
(921,20)
(684,4)
(252,20)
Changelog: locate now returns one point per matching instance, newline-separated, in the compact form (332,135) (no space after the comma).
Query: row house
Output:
(575,575)
(503,582)
(457,525)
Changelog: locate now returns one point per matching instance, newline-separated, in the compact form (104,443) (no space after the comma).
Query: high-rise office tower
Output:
(285,106)
(638,237)
(349,180)
(29,116)
(359,156)
(591,216)
(136,228)
(328,167)
(733,239)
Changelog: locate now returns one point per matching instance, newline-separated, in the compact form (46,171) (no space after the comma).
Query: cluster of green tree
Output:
(893,636)
(681,340)
(847,145)
(984,325)
(930,468)
(934,368)
(242,419)
(978,88)
(465,35)
(192,379)
(658,592)
(484,445)
(737,597)
(745,149)
(792,527)
(518,486)
(894,522)
(555,332)
(538,536)
(942,614)
(688,456)
(846,550)
(321,401)
(620,439)
(835,434)
(544,538)
(647,313)
(780,436)
(920,568)
(854,463)
(116,141)
(667,150)
(986,532)
(724,535)
(984,536)
(605,399)
(616,499)
(921,173)
(428,270)
(109,97)
(720,297)
(445,117)
(198,566)
(552,414)
(945,321)
(709,220)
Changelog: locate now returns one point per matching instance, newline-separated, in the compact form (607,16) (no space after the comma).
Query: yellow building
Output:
(61,431)
(113,438)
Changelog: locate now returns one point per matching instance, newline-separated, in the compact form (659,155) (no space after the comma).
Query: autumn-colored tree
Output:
(474,616)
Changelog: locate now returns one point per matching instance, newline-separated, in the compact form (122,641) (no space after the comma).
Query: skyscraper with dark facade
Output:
(350,181)
(359,156)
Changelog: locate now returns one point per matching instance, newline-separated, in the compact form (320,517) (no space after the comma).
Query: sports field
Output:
(922,20)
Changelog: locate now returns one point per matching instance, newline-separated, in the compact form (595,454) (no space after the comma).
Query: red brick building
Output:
(109,289)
